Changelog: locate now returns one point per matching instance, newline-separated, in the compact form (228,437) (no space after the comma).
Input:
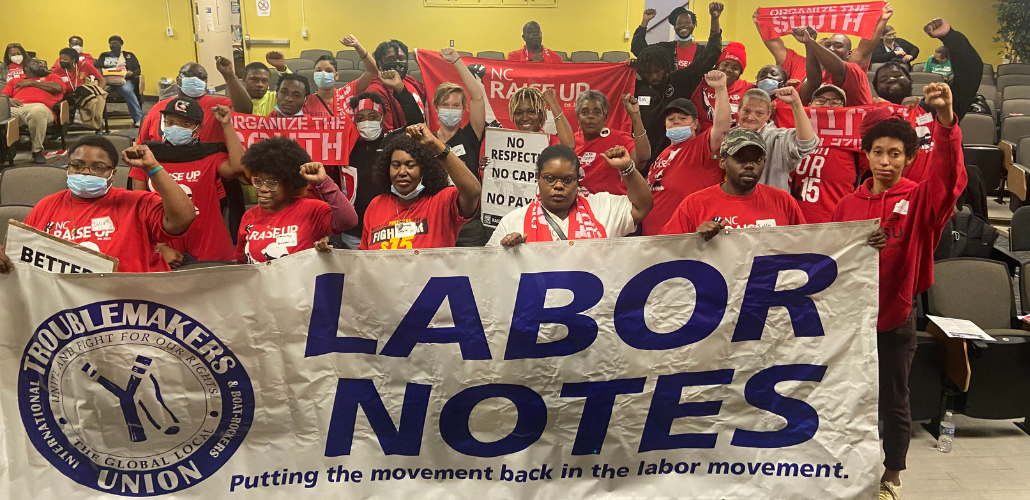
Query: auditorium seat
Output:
(9,132)
(919,68)
(615,56)
(309,74)
(563,55)
(314,54)
(344,64)
(413,65)
(1014,69)
(1024,287)
(349,75)
(990,92)
(298,64)
(7,212)
(922,79)
(1016,92)
(990,161)
(1019,230)
(416,74)
(1014,107)
(1009,80)
(987,80)
(1015,127)
(491,54)
(977,129)
(348,55)
(27,185)
(875,66)
(464,54)
(988,70)
(584,56)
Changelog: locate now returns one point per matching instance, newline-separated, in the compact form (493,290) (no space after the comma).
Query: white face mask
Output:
(370,130)
(17,59)
(77,48)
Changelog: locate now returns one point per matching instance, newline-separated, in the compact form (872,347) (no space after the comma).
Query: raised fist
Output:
(937,28)
(716,79)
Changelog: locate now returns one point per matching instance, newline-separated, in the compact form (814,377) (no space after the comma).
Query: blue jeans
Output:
(128,93)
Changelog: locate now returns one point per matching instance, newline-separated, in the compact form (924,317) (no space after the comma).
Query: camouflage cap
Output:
(738,138)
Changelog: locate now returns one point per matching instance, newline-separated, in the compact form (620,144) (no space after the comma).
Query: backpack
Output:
(980,106)
(973,236)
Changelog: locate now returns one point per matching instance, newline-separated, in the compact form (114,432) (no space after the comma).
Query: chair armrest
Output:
(142,85)
(12,132)
(5,107)
(62,111)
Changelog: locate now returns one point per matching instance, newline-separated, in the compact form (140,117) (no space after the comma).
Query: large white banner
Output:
(667,367)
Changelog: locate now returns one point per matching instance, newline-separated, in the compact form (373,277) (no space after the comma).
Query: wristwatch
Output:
(443,154)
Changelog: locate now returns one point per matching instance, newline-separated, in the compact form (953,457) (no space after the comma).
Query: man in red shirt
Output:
(397,88)
(740,201)
(688,165)
(32,102)
(113,221)
(192,83)
(534,49)
(732,62)
(913,216)
(74,71)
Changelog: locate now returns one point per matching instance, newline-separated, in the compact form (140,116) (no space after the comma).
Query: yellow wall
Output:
(596,25)
(44,27)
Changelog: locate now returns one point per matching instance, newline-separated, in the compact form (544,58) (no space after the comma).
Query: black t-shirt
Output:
(363,158)
(466,143)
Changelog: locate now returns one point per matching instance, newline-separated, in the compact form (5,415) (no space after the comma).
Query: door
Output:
(265,28)
(660,29)
(213,30)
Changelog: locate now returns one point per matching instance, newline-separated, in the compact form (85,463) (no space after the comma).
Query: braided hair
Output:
(655,58)
(530,95)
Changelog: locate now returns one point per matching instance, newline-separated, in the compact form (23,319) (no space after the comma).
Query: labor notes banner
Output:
(327,139)
(858,19)
(509,179)
(740,368)
(500,79)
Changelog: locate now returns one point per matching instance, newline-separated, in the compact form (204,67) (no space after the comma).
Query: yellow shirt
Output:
(266,105)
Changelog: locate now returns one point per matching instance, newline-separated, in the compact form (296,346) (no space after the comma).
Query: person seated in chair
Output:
(122,71)
(74,71)
(32,102)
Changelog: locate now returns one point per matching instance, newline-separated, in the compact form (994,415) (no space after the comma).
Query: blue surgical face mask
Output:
(769,85)
(687,39)
(88,186)
(450,117)
(178,136)
(325,80)
(193,86)
(299,113)
(410,196)
(679,134)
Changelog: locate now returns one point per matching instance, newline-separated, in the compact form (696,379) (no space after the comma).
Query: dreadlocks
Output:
(655,58)
(530,95)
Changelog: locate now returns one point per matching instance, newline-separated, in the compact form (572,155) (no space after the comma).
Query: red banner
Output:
(839,127)
(500,79)
(857,19)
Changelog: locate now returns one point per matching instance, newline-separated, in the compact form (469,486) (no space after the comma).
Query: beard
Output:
(895,93)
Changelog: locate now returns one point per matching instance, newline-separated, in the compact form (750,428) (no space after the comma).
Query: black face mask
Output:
(400,67)
(68,66)
(115,48)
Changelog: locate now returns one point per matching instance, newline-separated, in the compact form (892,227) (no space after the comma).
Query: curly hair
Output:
(380,53)
(894,128)
(279,158)
(533,96)
(602,99)
(655,58)
(295,78)
(434,177)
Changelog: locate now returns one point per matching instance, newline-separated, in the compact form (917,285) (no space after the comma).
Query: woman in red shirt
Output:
(594,138)
(122,224)
(421,210)
(285,220)
(14,57)
(528,107)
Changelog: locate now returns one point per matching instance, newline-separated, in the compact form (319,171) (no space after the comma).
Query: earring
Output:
(605,131)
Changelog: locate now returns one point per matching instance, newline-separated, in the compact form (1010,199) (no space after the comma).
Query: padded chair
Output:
(416,74)
(563,55)
(63,112)
(298,64)
(349,75)
(1019,230)
(310,75)
(491,54)
(202,264)
(987,80)
(314,54)
(348,55)
(615,56)
(585,56)
(1015,127)
(988,91)
(1024,287)
(1016,92)
(922,79)
(1014,69)
(875,66)
(464,54)
(27,185)
(919,68)
(7,212)
(344,64)
(9,132)
(413,65)
(977,129)
(121,177)
(980,290)
(1014,107)
(1009,80)
(988,69)
(991,161)
(340,85)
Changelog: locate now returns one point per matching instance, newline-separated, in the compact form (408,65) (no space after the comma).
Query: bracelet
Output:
(156,170)
(642,134)
(456,61)
(629,170)
(363,56)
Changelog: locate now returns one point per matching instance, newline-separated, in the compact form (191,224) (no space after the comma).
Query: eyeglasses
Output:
(271,185)
(551,180)
(78,167)
(822,101)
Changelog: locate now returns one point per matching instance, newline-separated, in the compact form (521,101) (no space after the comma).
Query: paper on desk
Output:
(960,328)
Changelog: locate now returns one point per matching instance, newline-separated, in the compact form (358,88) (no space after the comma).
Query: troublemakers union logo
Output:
(133,398)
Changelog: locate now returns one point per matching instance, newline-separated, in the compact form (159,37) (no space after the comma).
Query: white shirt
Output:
(612,212)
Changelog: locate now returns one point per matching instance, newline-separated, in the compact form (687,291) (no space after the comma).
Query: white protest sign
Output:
(52,254)
(740,368)
(509,181)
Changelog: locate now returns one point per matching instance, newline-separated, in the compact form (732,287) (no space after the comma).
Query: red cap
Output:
(735,51)
(877,115)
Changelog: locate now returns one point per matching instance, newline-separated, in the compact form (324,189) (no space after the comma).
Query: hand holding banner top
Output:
(858,19)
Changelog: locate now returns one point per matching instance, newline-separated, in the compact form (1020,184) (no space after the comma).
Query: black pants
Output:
(896,348)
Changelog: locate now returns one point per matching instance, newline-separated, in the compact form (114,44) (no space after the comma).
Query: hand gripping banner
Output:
(858,19)
(744,367)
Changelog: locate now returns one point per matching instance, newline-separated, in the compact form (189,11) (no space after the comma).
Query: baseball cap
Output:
(682,104)
(738,139)
(836,89)
(184,107)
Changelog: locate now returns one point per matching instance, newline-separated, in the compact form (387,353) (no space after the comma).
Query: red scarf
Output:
(545,54)
(581,223)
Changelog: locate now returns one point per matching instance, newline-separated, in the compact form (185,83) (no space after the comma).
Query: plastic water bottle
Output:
(947,434)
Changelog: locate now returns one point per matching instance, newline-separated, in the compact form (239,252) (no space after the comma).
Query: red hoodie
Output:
(914,215)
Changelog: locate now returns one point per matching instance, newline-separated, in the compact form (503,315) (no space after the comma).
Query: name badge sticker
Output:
(458,150)
(644,100)
(924,119)
(405,230)
(286,240)
(588,158)
(103,224)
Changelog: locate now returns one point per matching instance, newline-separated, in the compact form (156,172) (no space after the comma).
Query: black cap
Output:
(115,37)
(682,104)
(675,14)
(184,107)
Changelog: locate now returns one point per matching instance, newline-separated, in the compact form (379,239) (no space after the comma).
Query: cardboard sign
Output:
(509,181)
(52,254)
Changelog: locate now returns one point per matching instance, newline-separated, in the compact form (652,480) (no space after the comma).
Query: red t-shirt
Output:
(71,81)
(678,172)
(137,218)
(339,104)
(431,221)
(821,180)
(15,72)
(599,177)
(685,56)
(766,207)
(33,95)
(266,236)
(856,81)
(207,238)
(523,54)
(704,99)
(211,131)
